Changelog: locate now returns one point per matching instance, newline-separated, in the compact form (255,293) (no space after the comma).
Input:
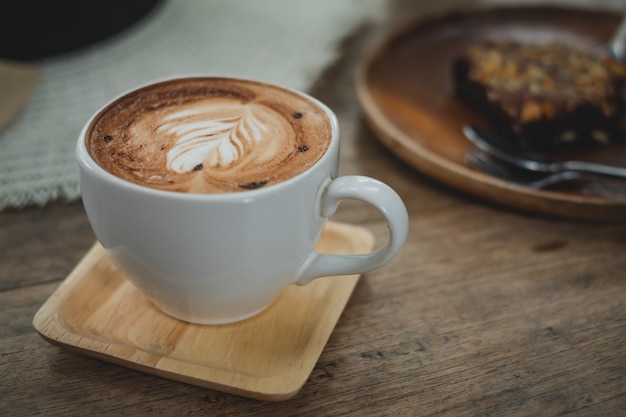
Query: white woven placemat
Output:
(287,42)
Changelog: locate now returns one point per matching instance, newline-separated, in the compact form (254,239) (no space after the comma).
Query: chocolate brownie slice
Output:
(544,95)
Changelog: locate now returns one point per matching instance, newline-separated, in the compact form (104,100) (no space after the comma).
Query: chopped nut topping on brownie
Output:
(545,94)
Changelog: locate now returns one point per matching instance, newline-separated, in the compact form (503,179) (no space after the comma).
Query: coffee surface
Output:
(209,135)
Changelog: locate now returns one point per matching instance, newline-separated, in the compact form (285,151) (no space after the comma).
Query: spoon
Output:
(508,151)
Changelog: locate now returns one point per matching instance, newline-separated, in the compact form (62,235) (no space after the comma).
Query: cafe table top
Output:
(486,310)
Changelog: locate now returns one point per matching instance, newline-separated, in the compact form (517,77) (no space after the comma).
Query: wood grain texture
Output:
(486,311)
(97,312)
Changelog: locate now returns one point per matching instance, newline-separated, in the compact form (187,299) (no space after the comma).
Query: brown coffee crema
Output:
(209,135)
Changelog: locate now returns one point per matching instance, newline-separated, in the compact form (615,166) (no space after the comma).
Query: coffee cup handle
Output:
(383,198)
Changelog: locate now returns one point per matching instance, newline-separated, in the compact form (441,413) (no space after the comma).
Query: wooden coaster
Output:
(97,312)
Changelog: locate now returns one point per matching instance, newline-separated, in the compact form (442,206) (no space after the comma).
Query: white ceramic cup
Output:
(221,258)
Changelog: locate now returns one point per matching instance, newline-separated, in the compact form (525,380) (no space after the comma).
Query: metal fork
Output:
(519,176)
(507,151)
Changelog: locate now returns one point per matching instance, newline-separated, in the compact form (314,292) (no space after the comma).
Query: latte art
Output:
(206,137)
(209,135)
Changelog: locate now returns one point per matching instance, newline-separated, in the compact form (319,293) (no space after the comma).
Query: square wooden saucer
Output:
(97,312)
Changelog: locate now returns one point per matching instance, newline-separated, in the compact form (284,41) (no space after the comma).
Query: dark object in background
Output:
(36,29)
(544,95)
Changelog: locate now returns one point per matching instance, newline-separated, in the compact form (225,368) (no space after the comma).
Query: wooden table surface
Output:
(486,310)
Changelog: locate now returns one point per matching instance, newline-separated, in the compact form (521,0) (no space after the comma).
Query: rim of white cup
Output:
(85,161)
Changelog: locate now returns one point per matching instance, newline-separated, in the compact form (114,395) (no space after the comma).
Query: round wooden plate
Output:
(406,92)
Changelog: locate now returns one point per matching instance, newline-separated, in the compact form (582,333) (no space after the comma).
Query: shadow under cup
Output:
(221,258)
